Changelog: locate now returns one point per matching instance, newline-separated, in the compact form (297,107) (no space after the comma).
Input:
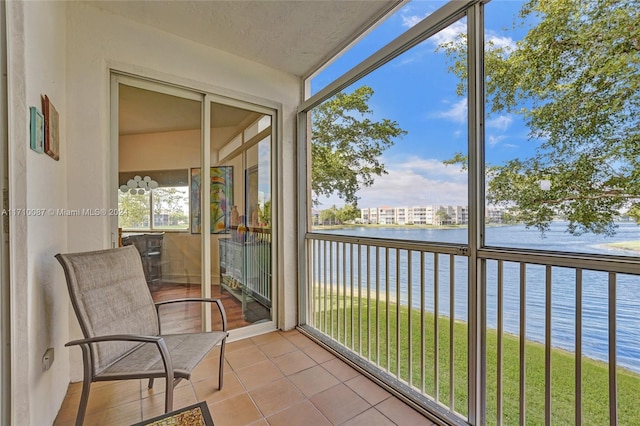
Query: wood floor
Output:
(186,317)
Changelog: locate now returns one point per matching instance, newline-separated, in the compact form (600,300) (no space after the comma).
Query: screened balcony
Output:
(490,277)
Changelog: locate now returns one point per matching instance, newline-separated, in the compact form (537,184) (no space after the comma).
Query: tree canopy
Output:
(575,78)
(346,145)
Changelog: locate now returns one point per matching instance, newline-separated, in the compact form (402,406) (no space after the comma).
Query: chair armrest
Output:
(157,340)
(116,337)
(218,302)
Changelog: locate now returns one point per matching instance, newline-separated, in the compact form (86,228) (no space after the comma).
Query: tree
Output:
(329,216)
(442,217)
(575,78)
(135,210)
(346,145)
(348,213)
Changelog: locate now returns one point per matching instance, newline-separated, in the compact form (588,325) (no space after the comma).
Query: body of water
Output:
(595,286)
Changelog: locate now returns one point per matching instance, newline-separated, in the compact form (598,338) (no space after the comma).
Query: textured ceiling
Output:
(291,36)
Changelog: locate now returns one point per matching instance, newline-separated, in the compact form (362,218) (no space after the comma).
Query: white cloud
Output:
(412,181)
(494,140)
(449,34)
(492,38)
(501,122)
(457,113)
(446,35)
(410,21)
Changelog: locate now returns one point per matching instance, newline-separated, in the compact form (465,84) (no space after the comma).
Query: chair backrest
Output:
(109,295)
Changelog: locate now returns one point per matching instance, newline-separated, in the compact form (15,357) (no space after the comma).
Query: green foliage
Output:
(348,213)
(265,214)
(135,210)
(335,216)
(575,78)
(346,145)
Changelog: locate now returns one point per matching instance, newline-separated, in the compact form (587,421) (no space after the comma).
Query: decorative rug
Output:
(193,415)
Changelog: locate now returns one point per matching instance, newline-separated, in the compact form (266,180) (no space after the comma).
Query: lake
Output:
(595,285)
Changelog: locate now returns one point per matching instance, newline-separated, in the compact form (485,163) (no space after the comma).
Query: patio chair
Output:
(121,325)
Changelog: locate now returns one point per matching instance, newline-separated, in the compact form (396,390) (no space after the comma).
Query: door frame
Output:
(5,313)
(206,96)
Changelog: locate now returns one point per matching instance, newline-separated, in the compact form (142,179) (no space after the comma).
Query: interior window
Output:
(154,200)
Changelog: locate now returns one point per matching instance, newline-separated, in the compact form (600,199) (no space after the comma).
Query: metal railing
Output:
(400,310)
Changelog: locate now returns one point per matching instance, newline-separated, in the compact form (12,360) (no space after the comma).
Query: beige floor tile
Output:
(207,369)
(339,404)
(317,353)
(289,333)
(276,396)
(124,414)
(269,377)
(153,405)
(112,395)
(158,387)
(236,411)
(258,375)
(75,388)
(371,417)
(263,339)
(313,380)
(281,347)
(300,340)
(368,390)
(400,413)
(237,345)
(245,357)
(293,362)
(301,414)
(207,390)
(340,369)
(68,409)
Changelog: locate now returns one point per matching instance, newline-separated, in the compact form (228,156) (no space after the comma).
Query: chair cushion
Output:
(187,350)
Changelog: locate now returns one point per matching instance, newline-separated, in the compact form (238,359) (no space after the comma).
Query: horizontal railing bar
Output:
(569,260)
(586,261)
(430,247)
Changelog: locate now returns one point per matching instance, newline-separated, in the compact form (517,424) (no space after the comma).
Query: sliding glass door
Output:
(241,215)
(194,197)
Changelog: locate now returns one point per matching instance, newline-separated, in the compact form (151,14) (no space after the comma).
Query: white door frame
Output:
(5,315)
(206,97)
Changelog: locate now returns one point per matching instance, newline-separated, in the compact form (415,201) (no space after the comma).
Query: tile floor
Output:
(280,378)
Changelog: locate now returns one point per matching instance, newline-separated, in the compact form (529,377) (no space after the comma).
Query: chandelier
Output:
(139,185)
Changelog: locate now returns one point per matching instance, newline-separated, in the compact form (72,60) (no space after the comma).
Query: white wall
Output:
(37,52)
(66,50)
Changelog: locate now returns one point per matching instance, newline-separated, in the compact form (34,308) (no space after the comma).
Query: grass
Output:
(334,317)
(626,245)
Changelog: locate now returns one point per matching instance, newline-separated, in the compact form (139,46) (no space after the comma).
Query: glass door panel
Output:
(159,150)
(241,213)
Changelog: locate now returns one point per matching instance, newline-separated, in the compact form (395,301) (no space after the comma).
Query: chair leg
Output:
(168,400)
(150,383)
(221,369)
(84,399)
(86,386)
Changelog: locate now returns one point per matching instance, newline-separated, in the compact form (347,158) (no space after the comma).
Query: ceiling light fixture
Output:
(139,185)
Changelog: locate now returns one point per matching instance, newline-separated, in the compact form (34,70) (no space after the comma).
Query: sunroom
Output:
(427,206)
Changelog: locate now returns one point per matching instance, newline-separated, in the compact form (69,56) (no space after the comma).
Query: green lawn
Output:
(626,245)
(362,339)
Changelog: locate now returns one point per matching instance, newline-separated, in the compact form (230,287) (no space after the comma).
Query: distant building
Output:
(425,215)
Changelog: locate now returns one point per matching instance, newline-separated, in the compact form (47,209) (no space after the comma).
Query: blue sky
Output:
(418,92)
